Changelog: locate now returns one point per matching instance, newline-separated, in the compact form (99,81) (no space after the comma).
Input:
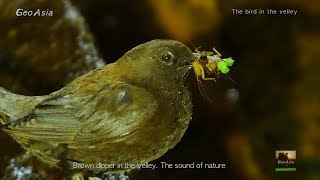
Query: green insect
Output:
(224,64)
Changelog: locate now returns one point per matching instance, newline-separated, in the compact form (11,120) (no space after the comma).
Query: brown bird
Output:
(131,111)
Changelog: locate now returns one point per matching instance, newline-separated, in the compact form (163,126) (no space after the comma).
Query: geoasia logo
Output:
(38,12)
(285,160)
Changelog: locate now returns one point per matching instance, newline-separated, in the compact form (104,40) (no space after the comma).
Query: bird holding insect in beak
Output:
(131,111)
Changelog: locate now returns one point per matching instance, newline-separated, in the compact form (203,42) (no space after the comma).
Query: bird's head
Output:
(157,63)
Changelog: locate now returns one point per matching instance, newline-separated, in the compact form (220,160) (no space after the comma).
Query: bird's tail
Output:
(14,106)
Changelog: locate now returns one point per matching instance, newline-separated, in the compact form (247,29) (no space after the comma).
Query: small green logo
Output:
(285,160)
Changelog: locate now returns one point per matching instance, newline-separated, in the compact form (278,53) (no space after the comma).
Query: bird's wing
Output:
(114,111)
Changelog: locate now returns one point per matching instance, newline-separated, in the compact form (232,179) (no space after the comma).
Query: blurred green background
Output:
(273,105)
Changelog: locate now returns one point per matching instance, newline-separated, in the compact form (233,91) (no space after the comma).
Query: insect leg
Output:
(217,53)
(201,89)
(231,78)
(203,76)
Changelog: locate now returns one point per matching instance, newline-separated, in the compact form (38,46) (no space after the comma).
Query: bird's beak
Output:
(196,55)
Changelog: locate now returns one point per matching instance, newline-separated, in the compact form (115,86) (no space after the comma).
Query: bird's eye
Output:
(167,57)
